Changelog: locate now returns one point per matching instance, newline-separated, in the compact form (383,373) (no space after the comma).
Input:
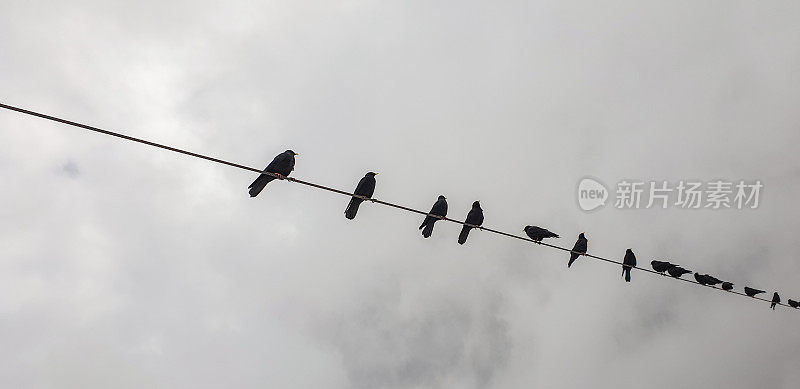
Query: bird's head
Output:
(582,236)
(372,174)
(442,197)
(291,152)
(526,228)
(476,204)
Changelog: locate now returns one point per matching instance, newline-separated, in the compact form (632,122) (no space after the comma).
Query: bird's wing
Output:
(439,208)
(362,188)
(275,164)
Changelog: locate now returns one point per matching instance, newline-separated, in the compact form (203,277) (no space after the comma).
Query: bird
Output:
(701,279)
(365,188)
(776,299)
(282,165)
(727,285)
(628,263)
(439,209)
(712,280)
(793,304)
(539,233)
(581,245)
(677,271)
(474,218)
(751,291)
(705,279)
(660,266)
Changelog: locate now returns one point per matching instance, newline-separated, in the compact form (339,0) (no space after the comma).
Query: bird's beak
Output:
(377,174)
(296,153)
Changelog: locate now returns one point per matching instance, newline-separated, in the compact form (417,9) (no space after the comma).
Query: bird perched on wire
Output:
(539,233)
(281,165)
(752,291)
(474,218)
(628,263)
(365,188)
(701,279)
(712,280)
(581,245)
(439,209)
(705,279)
(793,304)
(776,299)
(677,271)
(727,285)
(661,266)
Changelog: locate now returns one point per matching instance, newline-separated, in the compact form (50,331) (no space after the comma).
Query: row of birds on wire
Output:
(283,164)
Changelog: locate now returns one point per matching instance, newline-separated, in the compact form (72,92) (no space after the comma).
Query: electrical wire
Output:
(342,192)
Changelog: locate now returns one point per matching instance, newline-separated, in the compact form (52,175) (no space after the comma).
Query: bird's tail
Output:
(258,185)
(462,237)
(425,222)
(627,274)
(429,230)
(352,208)
(572,258)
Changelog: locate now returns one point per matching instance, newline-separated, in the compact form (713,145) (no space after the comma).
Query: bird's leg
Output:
(280,176)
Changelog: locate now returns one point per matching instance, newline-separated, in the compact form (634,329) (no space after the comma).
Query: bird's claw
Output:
(280,176)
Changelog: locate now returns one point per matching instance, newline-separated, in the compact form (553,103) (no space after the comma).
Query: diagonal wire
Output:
(339,191)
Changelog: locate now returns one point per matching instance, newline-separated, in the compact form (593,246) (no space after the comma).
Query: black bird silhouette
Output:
(539,233)
(677,271)
(439,209)
(475,218)
(775,300)
(627,263)
(751,291)
(660,266)
(580,248)
(793,304)
(282,165)
(705,279)
(701,279)
(365,187)
(727,285)
(712,280)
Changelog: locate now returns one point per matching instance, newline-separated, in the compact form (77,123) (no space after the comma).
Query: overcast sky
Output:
(129,267)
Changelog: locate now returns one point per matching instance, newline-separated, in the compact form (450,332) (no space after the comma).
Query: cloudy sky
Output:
(129,267)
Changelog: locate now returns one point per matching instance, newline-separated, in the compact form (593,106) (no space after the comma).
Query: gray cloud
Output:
(153,269)
(70,169)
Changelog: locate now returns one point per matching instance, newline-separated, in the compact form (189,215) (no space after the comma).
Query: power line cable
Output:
(377,201)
